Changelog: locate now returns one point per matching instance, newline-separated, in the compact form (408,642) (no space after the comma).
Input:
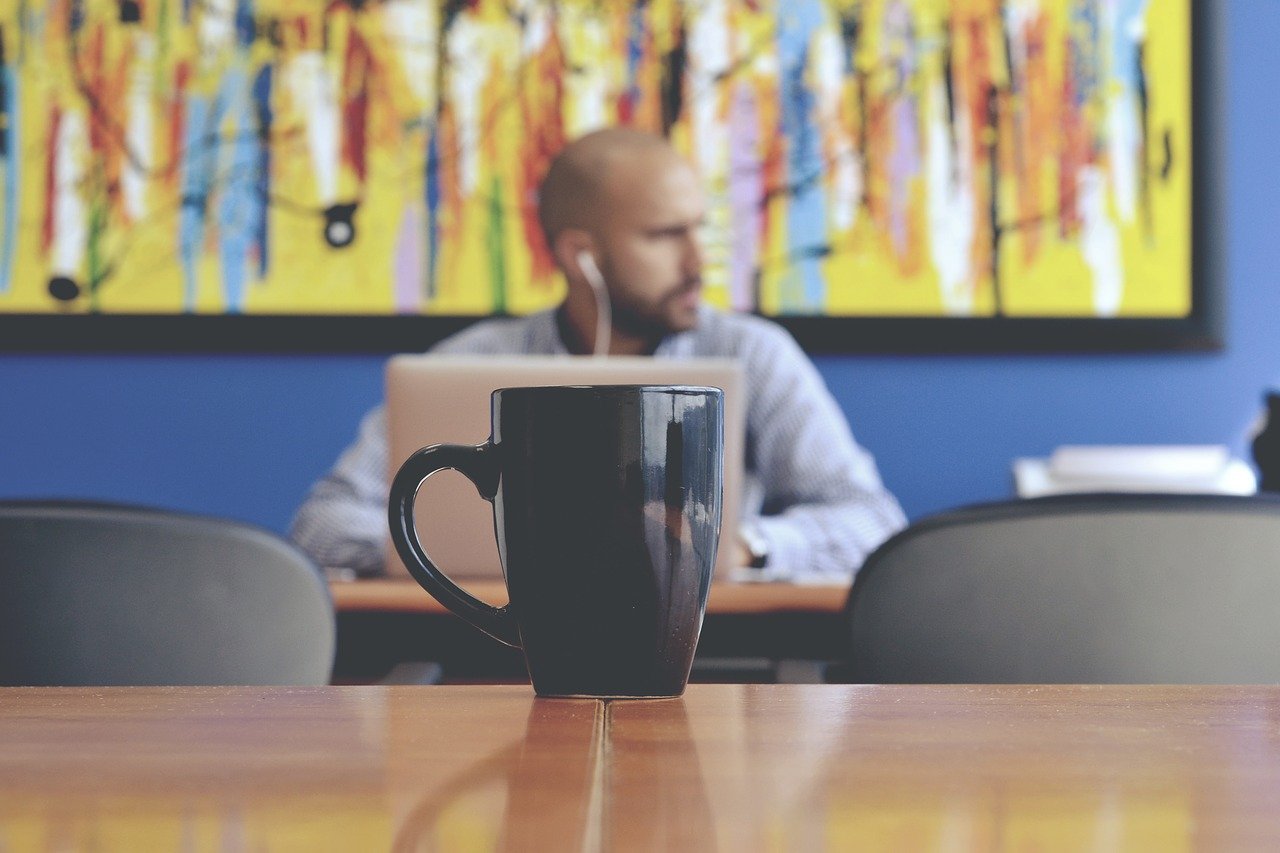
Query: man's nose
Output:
(695,252)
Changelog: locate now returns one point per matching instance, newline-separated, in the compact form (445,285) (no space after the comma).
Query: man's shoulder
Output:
(733,333)
(498,336)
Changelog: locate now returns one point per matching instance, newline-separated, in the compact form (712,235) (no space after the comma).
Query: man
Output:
(621,212)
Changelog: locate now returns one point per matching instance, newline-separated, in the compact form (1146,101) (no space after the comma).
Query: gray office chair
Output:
(1089,588)
(99,594)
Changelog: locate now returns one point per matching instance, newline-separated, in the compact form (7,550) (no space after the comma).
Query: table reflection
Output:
(192,769)
(655,793)
(533,792)
(983,767)
(728,767)
(562,786)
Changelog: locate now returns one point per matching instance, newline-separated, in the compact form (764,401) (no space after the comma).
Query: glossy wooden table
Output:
(753,631)
(729,767)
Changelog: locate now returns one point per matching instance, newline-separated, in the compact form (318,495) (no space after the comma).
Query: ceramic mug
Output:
(607,505)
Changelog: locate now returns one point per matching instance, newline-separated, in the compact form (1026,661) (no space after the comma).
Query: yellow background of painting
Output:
(308,277)
(867,279)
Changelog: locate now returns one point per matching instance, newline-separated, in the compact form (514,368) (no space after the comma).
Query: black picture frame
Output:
(1202,330)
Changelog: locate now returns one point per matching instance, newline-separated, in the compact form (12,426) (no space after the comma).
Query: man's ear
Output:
(568,245)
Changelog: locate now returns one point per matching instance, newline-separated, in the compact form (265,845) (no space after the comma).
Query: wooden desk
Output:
(731,767)
(749,630)
(403,595)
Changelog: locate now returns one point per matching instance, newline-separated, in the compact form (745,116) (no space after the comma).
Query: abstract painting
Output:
(862,158)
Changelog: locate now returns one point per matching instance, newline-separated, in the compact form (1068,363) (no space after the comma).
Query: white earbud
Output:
(604,314)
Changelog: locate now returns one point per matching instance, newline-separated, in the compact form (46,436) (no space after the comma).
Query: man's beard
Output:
(652,322)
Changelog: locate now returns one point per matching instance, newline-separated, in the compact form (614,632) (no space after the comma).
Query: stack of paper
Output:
(1202,469)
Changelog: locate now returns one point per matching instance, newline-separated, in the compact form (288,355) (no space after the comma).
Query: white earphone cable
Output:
(604,311)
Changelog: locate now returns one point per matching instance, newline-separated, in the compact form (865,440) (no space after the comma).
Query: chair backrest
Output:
(1083,588)
(99,594)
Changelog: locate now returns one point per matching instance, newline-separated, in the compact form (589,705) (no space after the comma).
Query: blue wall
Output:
(245,436)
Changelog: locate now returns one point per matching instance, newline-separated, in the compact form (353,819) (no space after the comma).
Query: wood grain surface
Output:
(728,767)
(403,595)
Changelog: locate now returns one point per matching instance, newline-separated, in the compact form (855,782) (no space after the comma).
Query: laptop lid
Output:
(439,399)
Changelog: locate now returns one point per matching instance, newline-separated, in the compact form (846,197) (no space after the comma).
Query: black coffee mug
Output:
(606,503)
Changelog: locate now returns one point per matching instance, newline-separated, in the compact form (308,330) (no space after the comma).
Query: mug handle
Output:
(479,464)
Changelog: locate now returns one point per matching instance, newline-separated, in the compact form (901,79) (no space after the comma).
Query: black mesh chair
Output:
(1089,588)
(99,594)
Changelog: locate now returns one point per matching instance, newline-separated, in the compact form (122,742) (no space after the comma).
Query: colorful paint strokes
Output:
(1022,158)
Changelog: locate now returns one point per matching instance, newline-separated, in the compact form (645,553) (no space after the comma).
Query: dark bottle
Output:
(1266,446)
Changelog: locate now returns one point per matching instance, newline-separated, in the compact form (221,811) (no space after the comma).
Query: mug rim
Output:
(643,388)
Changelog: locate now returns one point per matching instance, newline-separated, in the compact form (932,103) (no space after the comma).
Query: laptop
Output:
(439,399)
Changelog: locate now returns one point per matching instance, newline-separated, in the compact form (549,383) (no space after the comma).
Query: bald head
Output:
(577,188)
(622,209)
